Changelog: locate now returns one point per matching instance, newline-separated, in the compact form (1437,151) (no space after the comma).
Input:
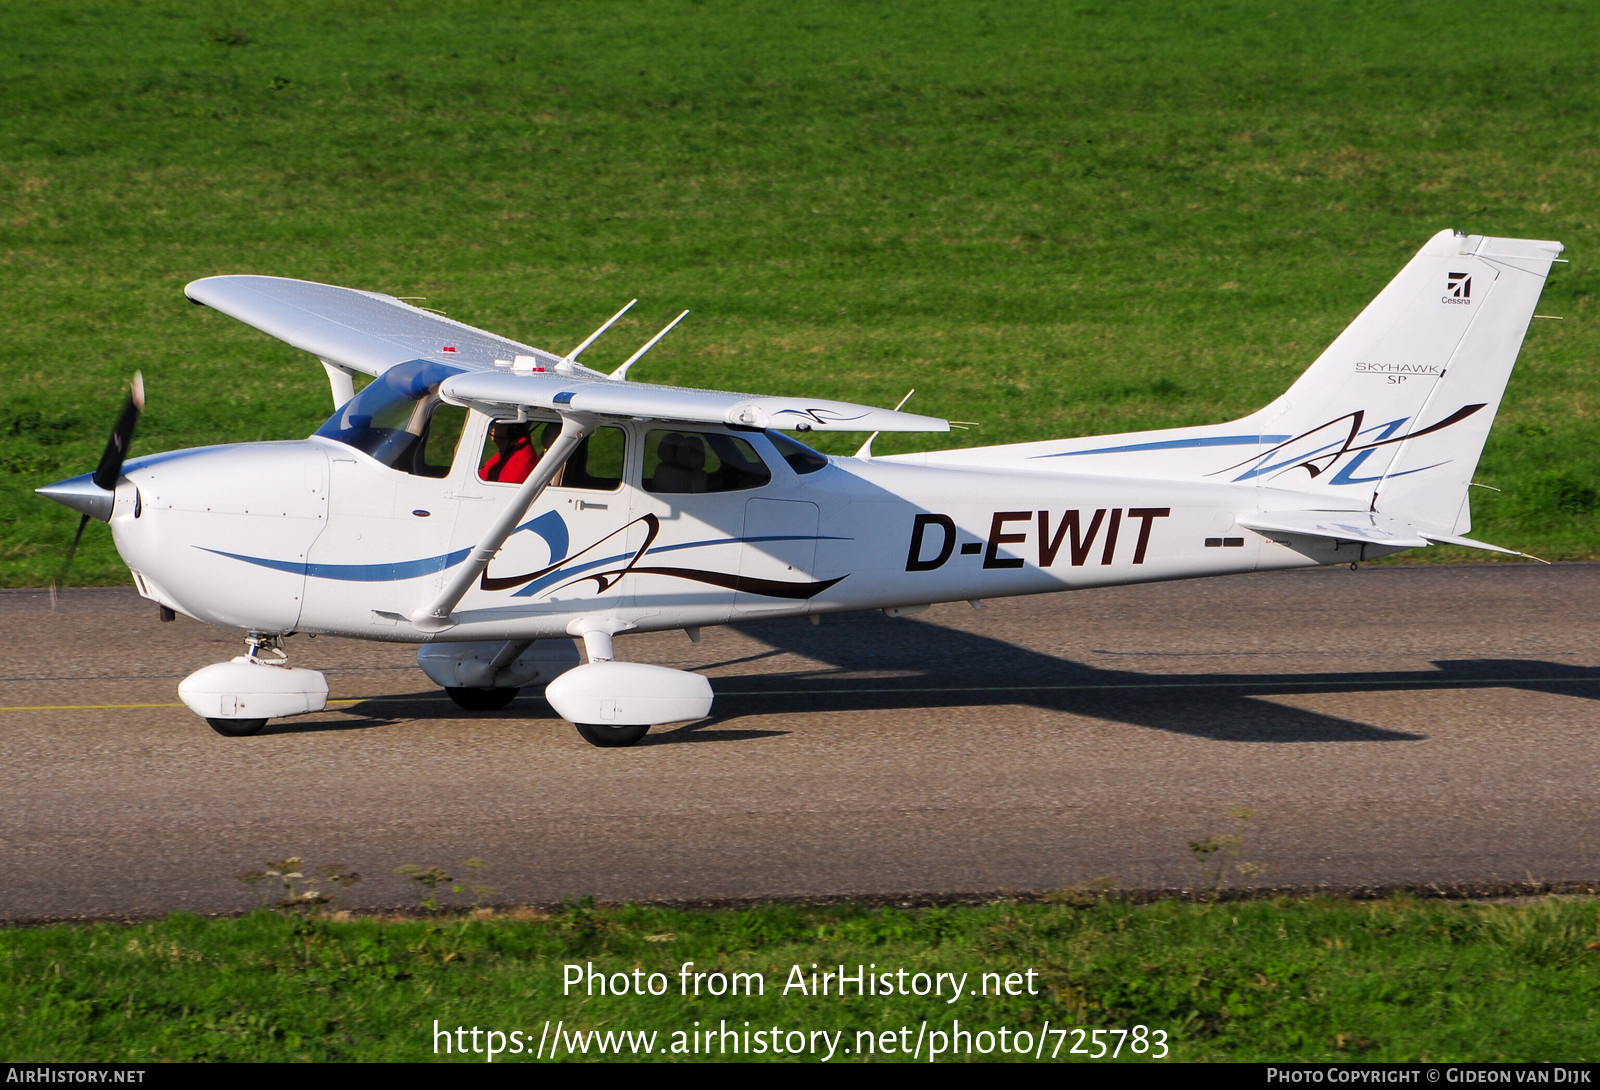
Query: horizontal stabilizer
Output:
(1361,527)
(1469,543)
(495,392)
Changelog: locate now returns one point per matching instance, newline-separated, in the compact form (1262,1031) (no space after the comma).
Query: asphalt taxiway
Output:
(1393,726)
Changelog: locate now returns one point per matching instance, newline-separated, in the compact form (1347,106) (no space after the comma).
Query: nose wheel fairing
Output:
(237,697)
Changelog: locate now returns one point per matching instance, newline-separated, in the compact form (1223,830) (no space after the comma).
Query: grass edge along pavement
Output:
(1272,978)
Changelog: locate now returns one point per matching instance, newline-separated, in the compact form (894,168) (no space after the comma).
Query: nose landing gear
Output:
(239,696)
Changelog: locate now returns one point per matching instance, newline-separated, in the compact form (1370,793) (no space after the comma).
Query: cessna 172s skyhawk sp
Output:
(654,507)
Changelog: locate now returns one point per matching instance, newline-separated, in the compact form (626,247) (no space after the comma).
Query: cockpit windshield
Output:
(399,420)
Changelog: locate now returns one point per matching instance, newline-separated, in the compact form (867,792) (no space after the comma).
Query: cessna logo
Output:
(1075,537)
(1458,289)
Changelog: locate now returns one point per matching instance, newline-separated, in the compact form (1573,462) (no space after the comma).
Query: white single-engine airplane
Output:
(601,506)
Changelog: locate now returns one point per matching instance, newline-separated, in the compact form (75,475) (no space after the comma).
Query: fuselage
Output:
(321,536)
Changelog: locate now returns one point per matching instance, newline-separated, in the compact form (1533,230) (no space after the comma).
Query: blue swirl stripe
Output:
(356,573)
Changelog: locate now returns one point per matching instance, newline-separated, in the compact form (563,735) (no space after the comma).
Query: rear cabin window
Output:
(681,462)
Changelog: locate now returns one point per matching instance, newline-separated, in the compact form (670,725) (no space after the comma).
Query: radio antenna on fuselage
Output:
(622,372)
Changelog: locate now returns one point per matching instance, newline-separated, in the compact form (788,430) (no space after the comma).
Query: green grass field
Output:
(1318,979)
(1060,218)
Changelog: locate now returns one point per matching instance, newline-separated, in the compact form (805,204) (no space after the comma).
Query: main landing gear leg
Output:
(614,704)
(597,646)
(487,675)
(490,697)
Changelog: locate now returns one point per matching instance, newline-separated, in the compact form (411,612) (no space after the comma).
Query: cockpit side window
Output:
(512,449)
(440,439)
(399,420)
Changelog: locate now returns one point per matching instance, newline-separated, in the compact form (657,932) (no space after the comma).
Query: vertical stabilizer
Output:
(1395,412)
(1391,418)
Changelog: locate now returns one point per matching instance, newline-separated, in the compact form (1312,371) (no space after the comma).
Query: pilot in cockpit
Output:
(514,457)
(515,454)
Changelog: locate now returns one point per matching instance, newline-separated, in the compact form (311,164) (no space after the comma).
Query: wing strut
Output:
(435,617)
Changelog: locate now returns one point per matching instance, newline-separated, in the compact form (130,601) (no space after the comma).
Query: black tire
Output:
(612,737)
(481,700)
(237,728)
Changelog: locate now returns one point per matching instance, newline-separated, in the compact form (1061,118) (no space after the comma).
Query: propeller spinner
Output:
(93,494)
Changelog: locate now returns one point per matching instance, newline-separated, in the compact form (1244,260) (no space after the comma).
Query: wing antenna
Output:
(866,448)
(572,357)
(622,372)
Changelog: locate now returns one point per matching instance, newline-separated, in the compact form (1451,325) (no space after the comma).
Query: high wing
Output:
(360,330)
(371,332)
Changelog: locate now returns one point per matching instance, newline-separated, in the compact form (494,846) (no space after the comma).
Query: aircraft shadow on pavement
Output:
(932,667)
(706,730)
(359,720)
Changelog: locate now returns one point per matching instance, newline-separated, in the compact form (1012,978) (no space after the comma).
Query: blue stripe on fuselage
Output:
(1175,444)
(357,573)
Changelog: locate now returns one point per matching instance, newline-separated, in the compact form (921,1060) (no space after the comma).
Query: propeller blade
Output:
(75,495)
(110,467)
(67,563)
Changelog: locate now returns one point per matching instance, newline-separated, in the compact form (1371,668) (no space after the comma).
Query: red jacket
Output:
(513,466)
